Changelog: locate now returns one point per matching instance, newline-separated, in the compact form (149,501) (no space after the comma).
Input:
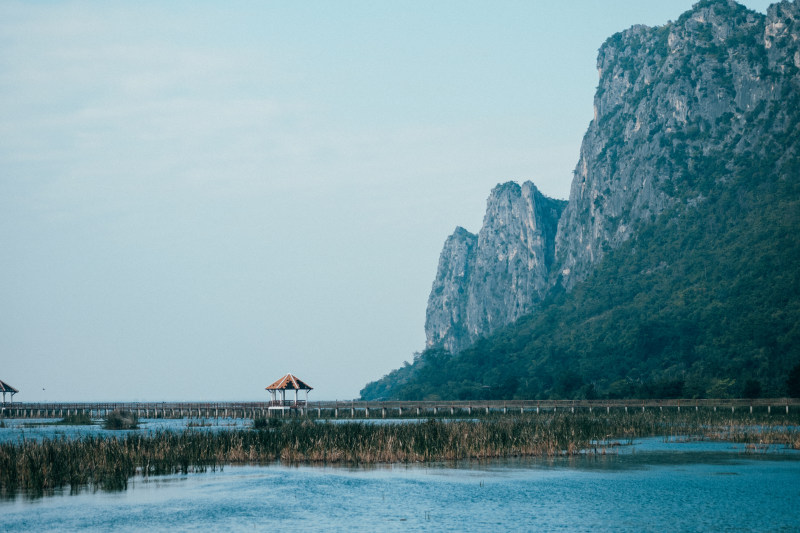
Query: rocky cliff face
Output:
(673,103)
(669,99)
(489,280)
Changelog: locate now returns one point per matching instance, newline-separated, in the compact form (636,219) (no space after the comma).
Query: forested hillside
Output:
(677,267)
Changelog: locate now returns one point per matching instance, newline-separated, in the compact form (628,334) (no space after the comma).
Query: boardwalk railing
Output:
(366,409)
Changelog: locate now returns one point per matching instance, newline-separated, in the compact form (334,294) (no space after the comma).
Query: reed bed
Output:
(109,462)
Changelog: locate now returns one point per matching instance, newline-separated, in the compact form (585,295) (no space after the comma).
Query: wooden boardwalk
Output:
(364,409)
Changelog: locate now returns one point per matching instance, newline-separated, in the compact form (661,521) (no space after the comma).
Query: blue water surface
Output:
(652,485)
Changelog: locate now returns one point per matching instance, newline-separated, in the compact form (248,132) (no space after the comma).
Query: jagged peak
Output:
(720,13)
(717,7)
(505,188)
(525,188)
(461,233)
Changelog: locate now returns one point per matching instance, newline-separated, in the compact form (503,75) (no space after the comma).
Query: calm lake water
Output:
(650,486)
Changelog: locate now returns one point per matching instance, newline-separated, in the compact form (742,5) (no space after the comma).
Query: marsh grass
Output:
(119,419)
(109,462)
(267,423)
(78,419)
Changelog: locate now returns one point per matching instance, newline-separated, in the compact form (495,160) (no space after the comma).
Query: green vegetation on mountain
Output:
(696,292)
(705,302)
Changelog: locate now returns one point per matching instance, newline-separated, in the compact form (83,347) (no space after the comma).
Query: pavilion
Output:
(287,382)
(6,388)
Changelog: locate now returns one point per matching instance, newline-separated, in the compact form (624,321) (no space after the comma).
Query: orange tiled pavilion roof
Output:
(289,382)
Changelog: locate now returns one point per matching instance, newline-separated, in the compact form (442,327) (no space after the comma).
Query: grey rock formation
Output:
(673,103)
(669,98)
(487,281)
(445,319)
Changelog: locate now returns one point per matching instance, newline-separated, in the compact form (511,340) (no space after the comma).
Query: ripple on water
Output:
(651,486)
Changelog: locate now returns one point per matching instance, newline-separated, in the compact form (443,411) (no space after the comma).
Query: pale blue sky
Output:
(198,197)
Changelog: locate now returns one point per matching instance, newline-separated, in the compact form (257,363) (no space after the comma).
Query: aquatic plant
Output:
(108,462)
(267,423)
(77,419)
(119,419)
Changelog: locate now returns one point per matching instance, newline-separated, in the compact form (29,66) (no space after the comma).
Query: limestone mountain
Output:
(489,280)
(690,166)
(671,103)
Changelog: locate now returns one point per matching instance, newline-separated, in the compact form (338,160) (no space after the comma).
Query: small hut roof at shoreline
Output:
(5,387)
(289,382)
